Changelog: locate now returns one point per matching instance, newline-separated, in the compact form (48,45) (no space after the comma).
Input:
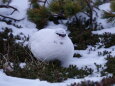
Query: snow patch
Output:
(107,30)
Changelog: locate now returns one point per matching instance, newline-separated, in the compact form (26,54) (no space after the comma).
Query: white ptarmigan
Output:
(51,44)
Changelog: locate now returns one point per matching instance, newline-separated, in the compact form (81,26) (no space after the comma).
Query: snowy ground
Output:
(89,56)
(13,81)
(109,30)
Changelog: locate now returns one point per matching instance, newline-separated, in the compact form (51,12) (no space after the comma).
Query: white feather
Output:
(46,45)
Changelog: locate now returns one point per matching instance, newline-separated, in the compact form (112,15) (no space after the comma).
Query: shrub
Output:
(110,81)
(77,55)
(9,48)
(110,16)
(110,65)
(35,4)
(51,71)
(100,2)
(4,1)
(107,39)
(112,6)
(81,36)
(56,6)
(39,16)
(67,8)
(71,8)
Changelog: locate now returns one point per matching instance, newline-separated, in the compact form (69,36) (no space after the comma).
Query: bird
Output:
(51,44)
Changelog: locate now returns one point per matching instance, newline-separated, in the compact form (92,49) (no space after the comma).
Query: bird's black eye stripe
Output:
(62,35)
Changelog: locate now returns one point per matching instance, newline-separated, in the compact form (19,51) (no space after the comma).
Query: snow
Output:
(22,65)
(107,30)
(47,3)
(28,28)
(50,44)
(103,7)
(21,13)
(89,56)
(13,81)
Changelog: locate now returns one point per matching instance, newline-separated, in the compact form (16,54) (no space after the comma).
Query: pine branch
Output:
(9,20)
(6,17)
(7,6)
(45,1)
(109,16)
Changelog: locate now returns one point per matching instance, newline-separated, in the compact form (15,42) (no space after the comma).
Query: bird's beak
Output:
(63,35)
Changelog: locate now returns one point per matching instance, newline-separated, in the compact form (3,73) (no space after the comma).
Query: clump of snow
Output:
(22,65)
(51,44)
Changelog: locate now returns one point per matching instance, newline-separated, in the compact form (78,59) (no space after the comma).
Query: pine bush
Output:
(112,6)
(39,16)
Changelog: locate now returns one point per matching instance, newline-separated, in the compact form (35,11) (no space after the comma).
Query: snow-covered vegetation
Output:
(90,24)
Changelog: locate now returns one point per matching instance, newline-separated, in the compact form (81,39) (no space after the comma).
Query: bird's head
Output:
(61,32)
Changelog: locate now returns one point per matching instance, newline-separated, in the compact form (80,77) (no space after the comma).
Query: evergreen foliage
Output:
(56,6)
(66,7)
(107,39)
(99,2)
(57,9)
(112,6)
(51,71)
(9,48)
(81,34)
(35,3)
(77,55)
(110,16)
(61,9)
(110,65)
(109,81)
(5,17)
(39,16)
(4,1)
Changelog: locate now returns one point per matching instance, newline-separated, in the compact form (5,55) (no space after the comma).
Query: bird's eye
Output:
(62,35)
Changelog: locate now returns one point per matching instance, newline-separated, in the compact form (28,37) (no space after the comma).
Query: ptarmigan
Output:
(51,44)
